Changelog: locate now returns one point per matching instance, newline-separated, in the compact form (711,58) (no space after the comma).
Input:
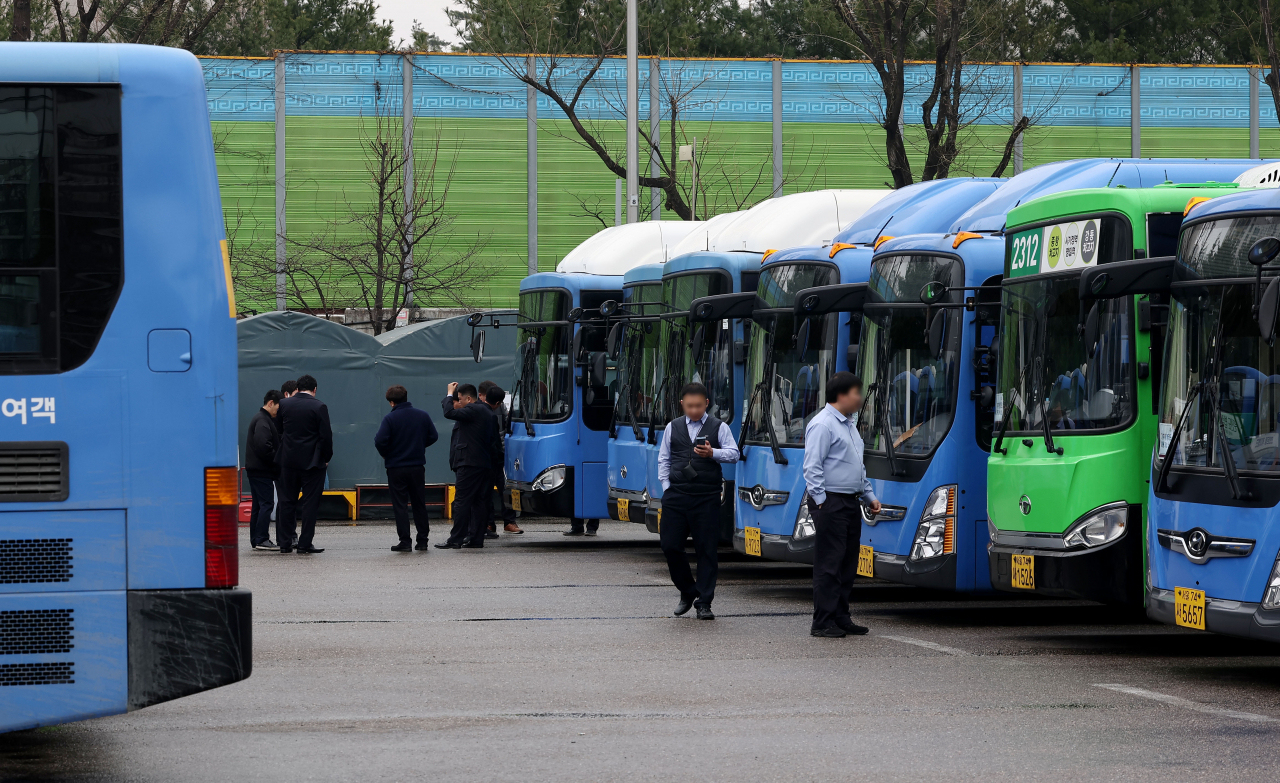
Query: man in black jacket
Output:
(495,396)
(402,440)
(260,464)
(471,459)
(306,446)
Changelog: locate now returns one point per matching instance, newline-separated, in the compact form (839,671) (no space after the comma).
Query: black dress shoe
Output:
(705,613)
(851,628)
(574,533)
(421,546)
(686,603)
(309,550)
(448,545)
(491,534)
(284,550)
(470,545)
(403,546)
(830,632)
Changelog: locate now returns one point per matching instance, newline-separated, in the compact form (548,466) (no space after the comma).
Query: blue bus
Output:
(633,345)
(118,546)
(770,486)
(565,385)
(707,297)
(1215,469)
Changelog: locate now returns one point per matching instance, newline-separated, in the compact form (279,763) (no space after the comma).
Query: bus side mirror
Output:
(474,319)
(986,397)
(1267,310)
(937,332)
(932,292)
(851,357)
(1091,331)
(613,343)
(599,368)
(802,336)
(574,315)
(609,307)
(699,337)
(477,346)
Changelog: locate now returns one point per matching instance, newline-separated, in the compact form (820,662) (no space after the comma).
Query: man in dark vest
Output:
(693,447)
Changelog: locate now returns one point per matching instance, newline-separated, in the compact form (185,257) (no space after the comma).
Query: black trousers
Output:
(696,516)
(408,487)
(471,494)
(310,483)
(835,556)
(262,485)
(499,480)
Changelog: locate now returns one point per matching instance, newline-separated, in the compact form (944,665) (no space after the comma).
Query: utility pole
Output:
(406,110)
(633,117)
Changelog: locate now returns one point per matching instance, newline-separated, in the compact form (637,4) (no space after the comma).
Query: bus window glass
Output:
(543,382)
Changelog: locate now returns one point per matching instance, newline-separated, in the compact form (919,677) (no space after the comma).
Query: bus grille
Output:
(35,560)
(33,471)
(36,631)
(37,674)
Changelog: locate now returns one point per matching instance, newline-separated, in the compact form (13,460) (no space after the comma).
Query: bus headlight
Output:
(804,521)
(1100,526)
(550,479)
(1271,598)
(936,534)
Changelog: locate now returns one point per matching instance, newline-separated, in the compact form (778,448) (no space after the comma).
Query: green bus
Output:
(1076,408)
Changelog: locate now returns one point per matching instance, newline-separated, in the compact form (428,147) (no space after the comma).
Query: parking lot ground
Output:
(551,658)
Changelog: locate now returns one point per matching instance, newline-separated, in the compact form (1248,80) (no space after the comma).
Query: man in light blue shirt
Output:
(837,486)
(693,448)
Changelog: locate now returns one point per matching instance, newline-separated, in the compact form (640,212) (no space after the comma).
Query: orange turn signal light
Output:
(1191,203)
(220,487)
(881,240)
(837,247)
(768,253)
(964,236)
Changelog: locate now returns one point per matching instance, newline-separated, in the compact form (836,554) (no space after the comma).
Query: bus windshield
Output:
(910,393)
(1215,357)
(1043,368)
(674,367)
(786,382)
(542,390)
(638,354)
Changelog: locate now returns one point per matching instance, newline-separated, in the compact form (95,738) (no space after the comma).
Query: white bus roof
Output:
(703,237)
(796,220)
(616,249)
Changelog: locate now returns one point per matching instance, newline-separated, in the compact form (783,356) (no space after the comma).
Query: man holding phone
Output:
(836,481)
(693,448)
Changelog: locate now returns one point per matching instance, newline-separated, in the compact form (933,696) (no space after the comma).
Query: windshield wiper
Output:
(882,413)
(1042,383)
(1215,402)
(770,373)
(1162,475)
(1048,431)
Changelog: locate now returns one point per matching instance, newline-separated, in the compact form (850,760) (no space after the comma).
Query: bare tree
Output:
(391,248)
(1273,57)
(179,23)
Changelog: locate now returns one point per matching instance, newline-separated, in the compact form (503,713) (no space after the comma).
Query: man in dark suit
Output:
(306,446)
(495,396)
(402,440)
(260,464)
(471,459)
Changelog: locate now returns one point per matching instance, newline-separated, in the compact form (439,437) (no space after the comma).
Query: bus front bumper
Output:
(1232,618)
(637,504)
(782,548)
(538,503)
(186,641)
(1108,574)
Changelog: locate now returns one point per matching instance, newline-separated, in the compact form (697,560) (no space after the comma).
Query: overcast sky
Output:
(429,13)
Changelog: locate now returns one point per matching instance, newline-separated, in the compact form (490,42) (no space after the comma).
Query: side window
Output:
(61,257)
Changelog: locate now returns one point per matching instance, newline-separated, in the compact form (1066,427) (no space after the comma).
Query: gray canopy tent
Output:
(353,371)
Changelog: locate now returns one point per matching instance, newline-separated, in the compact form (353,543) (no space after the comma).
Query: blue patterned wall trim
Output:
(344,85)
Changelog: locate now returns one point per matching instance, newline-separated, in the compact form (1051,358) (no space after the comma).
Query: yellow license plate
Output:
(866,561)
(1024,572)
(515,500)
(1188,608)
(753,540)
(624,510)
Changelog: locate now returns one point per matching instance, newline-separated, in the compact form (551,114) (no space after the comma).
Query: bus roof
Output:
(983,255)
(574,282)
(646,273)
(732,262)
(798,219)
(1238,201)
(919,208)
(618,248)
(1129,201)
(702,236)
(1093,173)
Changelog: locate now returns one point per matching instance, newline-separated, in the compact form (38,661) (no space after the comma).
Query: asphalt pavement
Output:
(551,658)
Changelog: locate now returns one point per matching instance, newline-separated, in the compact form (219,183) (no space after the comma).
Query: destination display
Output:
(1053,248)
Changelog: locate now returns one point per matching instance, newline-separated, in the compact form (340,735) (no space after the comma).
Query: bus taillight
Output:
(221,553)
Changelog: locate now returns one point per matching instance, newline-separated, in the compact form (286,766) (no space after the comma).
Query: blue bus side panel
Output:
(594,491)
(84,417)
(60,551)
(87,674)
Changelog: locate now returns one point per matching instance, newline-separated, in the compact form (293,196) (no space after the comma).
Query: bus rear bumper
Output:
(1232,618)
(186,641)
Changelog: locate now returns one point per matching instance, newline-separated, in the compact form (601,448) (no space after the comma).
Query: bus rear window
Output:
(61,259)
